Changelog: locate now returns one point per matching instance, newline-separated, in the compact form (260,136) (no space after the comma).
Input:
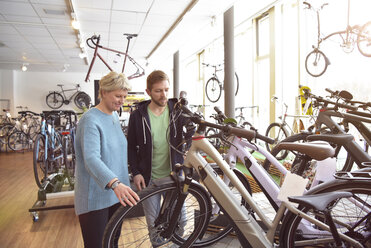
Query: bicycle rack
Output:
(54,188)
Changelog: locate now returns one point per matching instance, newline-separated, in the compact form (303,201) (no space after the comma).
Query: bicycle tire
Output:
(5,129)
(214,141)
(316,63)
(137,234)
(39,162)
(213,85)
(237,83)
(364,40)
(54,100)
(82,100)
(18,141)
(277,139)
(362,195)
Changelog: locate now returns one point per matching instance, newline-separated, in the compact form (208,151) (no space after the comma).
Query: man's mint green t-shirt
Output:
(160,151)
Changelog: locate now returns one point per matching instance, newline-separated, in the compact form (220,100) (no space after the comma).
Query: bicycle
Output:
(214,86)
(93,42)
(170,228)
(316,62)
(55,99)
(22,135)
(48,150)
(240,118)
(281,130)
(326,129)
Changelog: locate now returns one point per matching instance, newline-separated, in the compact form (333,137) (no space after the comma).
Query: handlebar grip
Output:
(329,91)
(265,138)
(219,112)
(241,132)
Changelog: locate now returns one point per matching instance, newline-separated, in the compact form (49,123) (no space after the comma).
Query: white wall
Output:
(6,90)
(31,88)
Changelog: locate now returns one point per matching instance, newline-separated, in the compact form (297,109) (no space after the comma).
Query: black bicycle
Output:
(55,99)
(316,62)
(214,86)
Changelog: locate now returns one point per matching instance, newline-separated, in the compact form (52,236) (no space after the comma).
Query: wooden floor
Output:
(18,193)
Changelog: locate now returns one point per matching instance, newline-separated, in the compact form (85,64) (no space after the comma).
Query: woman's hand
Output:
(126,195)
(139,182)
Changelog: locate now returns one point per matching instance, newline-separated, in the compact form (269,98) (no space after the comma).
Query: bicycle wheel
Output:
(351,215)
(4,133)
(277,132)
(214,141)
(316,63)
(39,162)
(364,40)
(54,100)
(237,83)
(128,226)
(18,141)
(82,100)
(213,89)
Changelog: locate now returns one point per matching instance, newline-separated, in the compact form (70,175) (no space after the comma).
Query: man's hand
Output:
(139,182)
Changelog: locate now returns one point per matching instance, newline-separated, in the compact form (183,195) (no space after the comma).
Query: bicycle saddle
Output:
(319,201)
(317,151)
(129,36)
(340,139)
(59,84)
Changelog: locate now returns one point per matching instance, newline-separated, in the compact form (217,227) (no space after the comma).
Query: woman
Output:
(102,181)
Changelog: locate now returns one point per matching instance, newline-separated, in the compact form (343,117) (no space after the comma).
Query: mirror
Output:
(345,95)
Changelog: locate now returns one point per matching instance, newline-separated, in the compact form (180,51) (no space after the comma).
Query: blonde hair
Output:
(113,81)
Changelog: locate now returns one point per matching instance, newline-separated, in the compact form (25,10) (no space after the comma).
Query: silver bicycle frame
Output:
(248,226)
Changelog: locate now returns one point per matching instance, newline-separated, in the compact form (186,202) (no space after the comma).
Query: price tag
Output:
(293,185)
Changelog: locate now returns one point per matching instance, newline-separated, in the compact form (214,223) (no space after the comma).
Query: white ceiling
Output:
(39,32)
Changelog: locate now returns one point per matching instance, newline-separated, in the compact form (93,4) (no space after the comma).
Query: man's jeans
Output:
(151,207)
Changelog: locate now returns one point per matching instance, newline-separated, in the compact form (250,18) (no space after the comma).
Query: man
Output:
(151,126)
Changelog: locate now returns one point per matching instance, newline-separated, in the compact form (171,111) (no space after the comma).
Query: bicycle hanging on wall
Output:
(55,99)
(93,42)
(214,86)
(317,62)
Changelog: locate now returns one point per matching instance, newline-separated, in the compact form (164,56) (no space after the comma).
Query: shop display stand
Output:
(55,187)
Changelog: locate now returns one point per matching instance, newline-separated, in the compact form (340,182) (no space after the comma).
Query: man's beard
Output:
(158,103)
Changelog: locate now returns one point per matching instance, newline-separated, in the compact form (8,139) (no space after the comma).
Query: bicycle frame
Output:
(77,89)
(324,118)
(138,73)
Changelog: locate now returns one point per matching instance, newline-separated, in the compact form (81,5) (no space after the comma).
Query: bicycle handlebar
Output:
(228,129)
(341,105)
(28,112)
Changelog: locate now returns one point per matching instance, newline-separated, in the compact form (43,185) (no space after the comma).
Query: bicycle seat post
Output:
(128,37)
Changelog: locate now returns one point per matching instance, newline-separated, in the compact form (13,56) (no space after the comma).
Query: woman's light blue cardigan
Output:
(101,155)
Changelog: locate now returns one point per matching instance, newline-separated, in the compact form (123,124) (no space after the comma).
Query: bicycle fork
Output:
(180,198)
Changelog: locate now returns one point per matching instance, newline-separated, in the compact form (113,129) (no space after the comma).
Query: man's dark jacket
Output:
(140,139)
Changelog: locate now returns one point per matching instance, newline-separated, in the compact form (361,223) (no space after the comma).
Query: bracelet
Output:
(115,184)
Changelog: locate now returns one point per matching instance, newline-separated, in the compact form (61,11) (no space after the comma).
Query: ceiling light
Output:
(82,55)
(75,24)
(24,67)
(65,67)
